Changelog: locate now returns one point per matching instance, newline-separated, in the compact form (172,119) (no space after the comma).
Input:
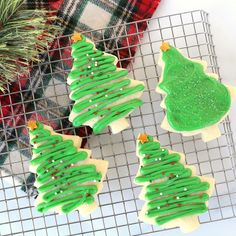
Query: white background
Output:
(222,17)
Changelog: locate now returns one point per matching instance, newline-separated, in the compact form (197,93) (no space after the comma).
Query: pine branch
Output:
(24,34)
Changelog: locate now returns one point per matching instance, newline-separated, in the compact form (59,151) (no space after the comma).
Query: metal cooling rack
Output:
(119,203)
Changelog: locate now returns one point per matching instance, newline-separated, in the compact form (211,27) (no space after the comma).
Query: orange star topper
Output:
(32,124)
(143,138)
(165,46)
(76,37)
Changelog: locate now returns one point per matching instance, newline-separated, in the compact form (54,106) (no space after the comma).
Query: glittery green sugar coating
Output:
(194,99)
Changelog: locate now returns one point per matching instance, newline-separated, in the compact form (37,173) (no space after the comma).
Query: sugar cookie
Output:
(174,196)
(67,179)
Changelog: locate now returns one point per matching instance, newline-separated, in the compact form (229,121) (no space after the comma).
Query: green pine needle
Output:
(24,34)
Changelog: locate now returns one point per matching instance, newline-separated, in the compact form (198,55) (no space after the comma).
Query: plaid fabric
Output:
(76,15)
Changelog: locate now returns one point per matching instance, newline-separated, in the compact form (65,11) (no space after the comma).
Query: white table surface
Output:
(222,17)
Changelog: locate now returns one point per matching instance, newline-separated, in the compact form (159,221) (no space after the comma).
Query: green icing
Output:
(171,191)
(62,183)
(97,86)
(194,99)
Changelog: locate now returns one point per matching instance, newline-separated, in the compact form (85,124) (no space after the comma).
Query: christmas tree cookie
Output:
(67,179)
(103,93)
(195,101)
(174,196)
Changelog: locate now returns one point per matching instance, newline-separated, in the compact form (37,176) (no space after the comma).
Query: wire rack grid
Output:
(119,203)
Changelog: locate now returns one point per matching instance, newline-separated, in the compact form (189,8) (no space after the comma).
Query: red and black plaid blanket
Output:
(16,106)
